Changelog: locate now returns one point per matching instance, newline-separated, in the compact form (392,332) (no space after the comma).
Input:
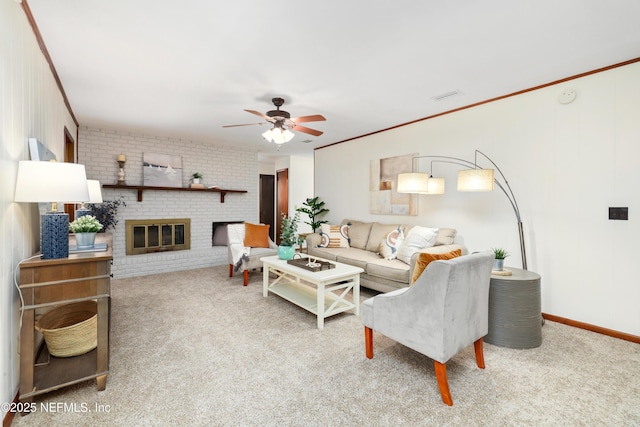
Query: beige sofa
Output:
(365,240)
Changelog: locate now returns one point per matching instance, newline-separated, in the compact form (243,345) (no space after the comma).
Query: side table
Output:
(515,315)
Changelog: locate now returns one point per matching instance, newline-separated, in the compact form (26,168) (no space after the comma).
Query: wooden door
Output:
(267,203)
(282,202)
(69,157)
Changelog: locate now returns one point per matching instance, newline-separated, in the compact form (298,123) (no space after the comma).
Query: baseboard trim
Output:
(592,328)
(8,419)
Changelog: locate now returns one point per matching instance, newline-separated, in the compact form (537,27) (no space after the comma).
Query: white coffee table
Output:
(313,291)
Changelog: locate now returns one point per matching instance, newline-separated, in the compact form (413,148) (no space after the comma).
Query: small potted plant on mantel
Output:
(500,254)
(196,178)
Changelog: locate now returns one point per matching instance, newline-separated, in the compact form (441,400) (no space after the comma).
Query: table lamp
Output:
(52,182)
(95,196)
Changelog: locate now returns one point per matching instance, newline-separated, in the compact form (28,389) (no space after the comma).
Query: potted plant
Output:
(288,236)
(314,208)
(85,228)
(196,177)
(500,254)
(106,212)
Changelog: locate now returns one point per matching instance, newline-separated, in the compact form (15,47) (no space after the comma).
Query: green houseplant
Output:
(500,254)
(314,208)
(196,177)
(289,236)
(106,212)
(85,228)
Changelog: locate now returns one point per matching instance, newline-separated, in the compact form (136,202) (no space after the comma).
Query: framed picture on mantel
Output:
(162,170)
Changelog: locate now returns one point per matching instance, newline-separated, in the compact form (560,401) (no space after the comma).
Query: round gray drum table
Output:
(515,318)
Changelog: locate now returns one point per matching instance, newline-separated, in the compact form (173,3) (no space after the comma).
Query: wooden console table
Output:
(46,283)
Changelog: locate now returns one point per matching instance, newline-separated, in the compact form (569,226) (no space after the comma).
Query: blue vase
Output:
(286,252)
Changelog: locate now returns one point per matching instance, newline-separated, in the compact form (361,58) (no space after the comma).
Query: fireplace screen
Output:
(157,235)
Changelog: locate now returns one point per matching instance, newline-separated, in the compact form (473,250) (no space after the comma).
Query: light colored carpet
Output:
(197,348)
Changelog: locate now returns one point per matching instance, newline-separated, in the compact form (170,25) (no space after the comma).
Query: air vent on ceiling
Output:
(306,141)
(446,95)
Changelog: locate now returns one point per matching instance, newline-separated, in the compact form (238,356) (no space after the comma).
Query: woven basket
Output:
(71,329)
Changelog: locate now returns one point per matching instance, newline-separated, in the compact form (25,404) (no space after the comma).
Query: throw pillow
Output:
(256,235)
(425,258)
(417,238)
(359,234)
(445,236)
(334,236)
(390,244)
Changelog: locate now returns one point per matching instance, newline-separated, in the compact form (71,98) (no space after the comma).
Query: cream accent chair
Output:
(443,312)
(242,258)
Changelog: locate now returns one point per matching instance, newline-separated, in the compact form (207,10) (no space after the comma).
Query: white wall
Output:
(225,167)
(32,107)
(300,184)
(567,164)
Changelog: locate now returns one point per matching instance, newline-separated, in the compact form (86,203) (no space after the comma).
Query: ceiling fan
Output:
(283,124)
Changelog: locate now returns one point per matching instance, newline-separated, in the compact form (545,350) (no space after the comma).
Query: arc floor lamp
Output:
(473,178)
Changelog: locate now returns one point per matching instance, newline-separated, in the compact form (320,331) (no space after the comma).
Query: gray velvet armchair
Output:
(443,312)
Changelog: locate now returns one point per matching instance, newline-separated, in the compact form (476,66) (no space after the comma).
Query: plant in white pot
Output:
(289,236)
(196,177)
(500,254)
(85,229)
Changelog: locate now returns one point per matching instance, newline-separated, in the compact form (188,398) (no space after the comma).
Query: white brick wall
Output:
(223,166)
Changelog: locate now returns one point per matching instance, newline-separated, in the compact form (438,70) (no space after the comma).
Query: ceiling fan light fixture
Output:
(278,135)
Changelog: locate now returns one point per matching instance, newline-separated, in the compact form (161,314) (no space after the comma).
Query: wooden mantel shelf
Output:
(142,188)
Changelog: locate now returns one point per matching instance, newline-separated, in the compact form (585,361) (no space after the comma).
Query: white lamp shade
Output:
(413,182)
(95,191)
(475,180)
(435,186)
(41,182)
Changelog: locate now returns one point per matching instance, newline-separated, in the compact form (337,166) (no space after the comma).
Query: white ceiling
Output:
(186,68)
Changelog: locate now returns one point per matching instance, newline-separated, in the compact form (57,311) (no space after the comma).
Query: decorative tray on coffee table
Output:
(319,265)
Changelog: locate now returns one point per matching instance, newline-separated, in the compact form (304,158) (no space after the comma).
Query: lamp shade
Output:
(50,182)
(95,191)
(413,182)
(475,180)
(419,183)
(435,186)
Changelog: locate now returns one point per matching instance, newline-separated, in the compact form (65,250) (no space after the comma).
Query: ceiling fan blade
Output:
(314,118)
(246,124)
(307,130)
(257,113)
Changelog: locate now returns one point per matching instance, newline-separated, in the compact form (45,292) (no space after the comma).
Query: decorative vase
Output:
(196,180)
(85,240)
(498,264)
(286,252)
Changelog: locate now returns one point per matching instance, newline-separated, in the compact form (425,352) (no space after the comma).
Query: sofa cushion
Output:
(395,270)
(355,257)
(446,236)
(378,232)
(359,234)
(256,236)
(417,238)
(424,258)
(334,236)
